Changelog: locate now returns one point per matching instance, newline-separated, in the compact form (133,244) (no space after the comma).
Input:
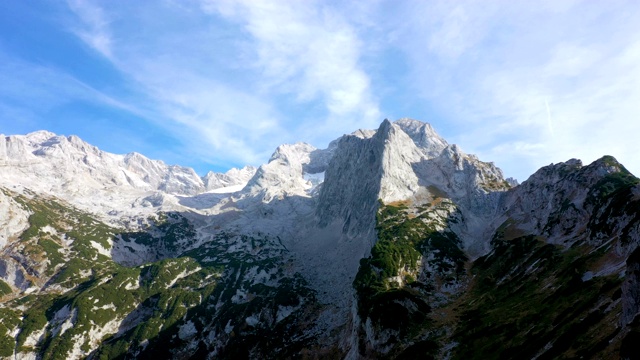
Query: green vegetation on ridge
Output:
(89,303)
(408,241)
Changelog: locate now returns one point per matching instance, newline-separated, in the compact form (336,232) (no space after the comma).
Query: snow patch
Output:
(228,189)
(26,356)
(67,317)
(68,324)
(313,179)
(85,273)
(76,351)
(97,333)
(35,337)
(104,279)
(49,229)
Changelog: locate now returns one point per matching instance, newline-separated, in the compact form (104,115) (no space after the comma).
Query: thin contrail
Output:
(549,117)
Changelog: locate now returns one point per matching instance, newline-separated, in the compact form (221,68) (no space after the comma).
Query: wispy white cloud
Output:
(94,26)
(519,83)
(178,67)
(217,70)
(495,67)
(36,87)
(310,50)
(36,96)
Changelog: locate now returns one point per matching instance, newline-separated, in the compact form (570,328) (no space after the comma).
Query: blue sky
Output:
(215,84)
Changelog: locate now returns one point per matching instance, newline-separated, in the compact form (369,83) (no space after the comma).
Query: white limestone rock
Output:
(423,135)
(94,180)
(233,177)
(13,218)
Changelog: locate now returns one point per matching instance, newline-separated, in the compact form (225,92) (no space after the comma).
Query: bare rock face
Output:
(405,160)
(283,175)
(233,177)
(563,200)
(351,202)
(67,167)
(13,219)
(424,136)
(14,274)
(320,203)
(400,152)
(159,176)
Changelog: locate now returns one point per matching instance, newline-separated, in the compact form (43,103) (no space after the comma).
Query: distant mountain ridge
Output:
(133,168)
(390,243)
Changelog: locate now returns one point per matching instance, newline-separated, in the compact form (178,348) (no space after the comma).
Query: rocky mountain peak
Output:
(297,153)
(609,165)
(423,135)
(567,190)
(39,136)
(574,170)
(385,127)
(399,163)
(363,133)
(87,176)
(283,174)
(233,177)
(399,156)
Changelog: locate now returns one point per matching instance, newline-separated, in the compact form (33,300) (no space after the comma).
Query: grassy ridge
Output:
(160,308)
(392,290)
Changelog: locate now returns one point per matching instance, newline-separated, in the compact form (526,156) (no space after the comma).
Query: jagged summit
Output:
(236,178)
(98,181)
(424,136)
(401,158)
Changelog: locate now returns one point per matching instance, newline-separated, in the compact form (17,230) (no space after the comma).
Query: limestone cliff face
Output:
(352,202)
(423,135)
(233,177)
(283,175)
(405,160)
(398,181)
(553,262)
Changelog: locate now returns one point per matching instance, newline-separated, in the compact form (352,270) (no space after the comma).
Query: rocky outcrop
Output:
(233,177)
(568,202)
(13,218)
(405,160)
(424,136)
(283,175)
(346,201)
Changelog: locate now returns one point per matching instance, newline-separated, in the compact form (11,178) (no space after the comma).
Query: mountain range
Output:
(388,244)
